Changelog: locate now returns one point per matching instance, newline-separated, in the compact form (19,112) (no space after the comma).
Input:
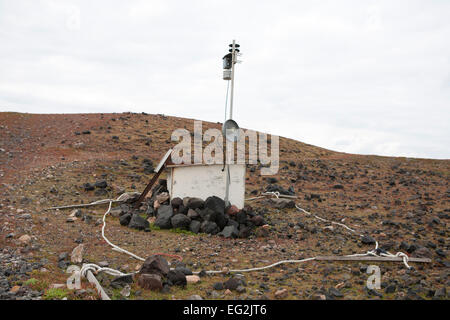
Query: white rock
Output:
(25,239)
(192,279)
(77,254)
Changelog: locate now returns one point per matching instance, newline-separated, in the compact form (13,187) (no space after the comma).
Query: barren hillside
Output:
(46,159)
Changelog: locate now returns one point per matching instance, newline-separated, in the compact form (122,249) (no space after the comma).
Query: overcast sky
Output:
(369,77)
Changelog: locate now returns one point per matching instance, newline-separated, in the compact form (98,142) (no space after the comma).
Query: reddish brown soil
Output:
(45,163)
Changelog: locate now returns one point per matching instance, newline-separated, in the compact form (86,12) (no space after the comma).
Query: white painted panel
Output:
(205,181)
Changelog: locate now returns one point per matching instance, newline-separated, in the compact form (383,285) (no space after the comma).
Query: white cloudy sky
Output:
(363,76)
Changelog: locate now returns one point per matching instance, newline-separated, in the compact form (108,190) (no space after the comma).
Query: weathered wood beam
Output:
(92,279)
(371,258)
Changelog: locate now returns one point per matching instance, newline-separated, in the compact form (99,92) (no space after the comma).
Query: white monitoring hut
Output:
(203,181)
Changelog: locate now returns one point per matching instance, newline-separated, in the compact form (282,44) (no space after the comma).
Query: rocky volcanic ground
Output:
(47,160)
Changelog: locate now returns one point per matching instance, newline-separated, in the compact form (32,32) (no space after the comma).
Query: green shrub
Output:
(55,294)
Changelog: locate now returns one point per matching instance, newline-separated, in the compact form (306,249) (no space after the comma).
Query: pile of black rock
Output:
(209,216)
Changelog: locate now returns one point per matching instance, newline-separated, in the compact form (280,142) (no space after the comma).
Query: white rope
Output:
(271,193)
(375,252)
(97,269)
(115,247)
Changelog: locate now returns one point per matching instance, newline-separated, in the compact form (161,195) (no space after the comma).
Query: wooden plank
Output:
(371,258)
(158,171)
(92,279)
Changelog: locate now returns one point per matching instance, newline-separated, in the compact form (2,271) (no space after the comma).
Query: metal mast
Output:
(230,125)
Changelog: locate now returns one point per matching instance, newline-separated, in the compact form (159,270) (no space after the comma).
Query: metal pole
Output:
(233,61)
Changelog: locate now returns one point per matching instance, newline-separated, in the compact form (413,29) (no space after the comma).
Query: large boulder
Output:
(120,210)
(180,221)
(139,223)
(231,284)
(165,213)
(216,204)
(150,282)
(209,227)
(163,197)
(130,197)
(125,219)
(366,239)
(195,226)
(257,220)
(101,184)
(229,232)
(186,271)
(176,202)
(192,214)
(194,203)
(282,203)
(208,214)
(232,222)
(155,264)
(241,217)
(177,277)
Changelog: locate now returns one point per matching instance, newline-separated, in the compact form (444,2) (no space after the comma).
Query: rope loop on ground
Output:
(96,269)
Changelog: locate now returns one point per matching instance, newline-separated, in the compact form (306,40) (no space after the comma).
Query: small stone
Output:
(14,289)
(76,213)
(263,231)
(103,264)
(390,288)
(218,286)
(227,292)
(240,289)
(232,210)
(25,239)
(125,292)
(88,187)
(319,297)
(231,284)
(101,184)
(229,232)
(281,294)
(63,256)
(335,293)
(440,293)
(192,279)
(257,220)
(195,297)
(162,197)
(77,254)
(366,239)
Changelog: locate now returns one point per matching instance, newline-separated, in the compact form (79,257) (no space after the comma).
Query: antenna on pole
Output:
(230,128)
